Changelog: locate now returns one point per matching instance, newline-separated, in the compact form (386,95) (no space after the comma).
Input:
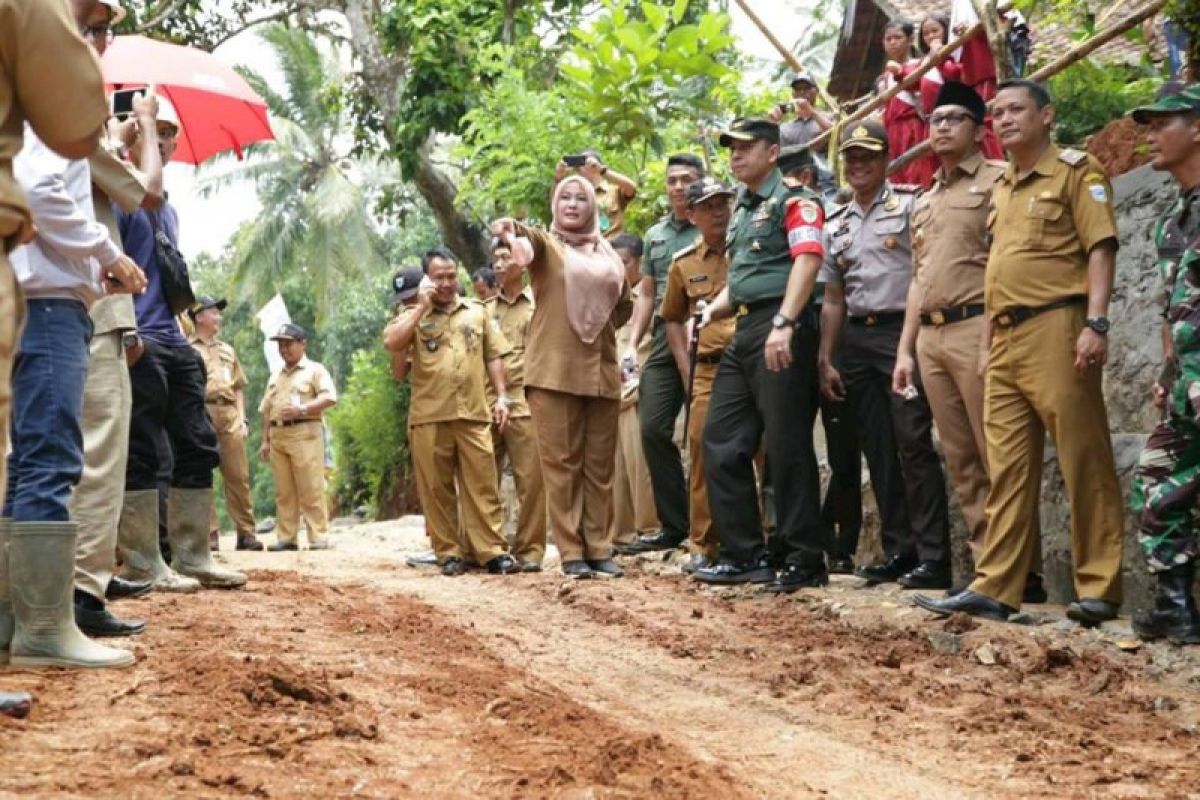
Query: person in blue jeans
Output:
(168,384)
(61,272)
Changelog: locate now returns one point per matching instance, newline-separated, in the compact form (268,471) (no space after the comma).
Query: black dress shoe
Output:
(102,623)
(887,571)
(1035,589)
(577,569)
(794,577)
(841,566)
(426,559)
(968,602)
(696,561)
(119,588)
(248,541)
(605,566)
(927,575)
(281,547)
(453,567)
(1091,611)
(503,564)
(727,573)
(16,704)
(627,548)
(658,541)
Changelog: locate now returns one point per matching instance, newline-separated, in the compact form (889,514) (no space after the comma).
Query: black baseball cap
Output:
(205,302)
(705,188)
(867,135)
(406,284)
(290,332)
(747,129)
(794,157)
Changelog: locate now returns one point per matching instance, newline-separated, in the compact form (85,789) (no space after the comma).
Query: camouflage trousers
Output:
(1166,486)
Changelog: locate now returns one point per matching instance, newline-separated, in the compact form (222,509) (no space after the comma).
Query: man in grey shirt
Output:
(867,269)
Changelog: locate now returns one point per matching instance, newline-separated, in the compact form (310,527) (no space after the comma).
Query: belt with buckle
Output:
(758,305)
(1013,316)
(945,316)
(879,318)
(284,423)
(220,401)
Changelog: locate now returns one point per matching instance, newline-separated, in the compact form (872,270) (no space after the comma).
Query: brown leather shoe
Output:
(214,541)
(248,541)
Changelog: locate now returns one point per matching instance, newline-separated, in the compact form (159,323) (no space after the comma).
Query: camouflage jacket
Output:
(1177,239)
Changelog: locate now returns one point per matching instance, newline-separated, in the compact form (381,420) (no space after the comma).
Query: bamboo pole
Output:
(787,54)
(1072,56)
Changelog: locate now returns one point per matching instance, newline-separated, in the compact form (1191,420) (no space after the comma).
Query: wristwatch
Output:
(1099,324)
(780,321)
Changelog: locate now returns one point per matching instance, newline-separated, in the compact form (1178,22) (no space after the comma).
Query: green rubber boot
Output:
(6,612)
(188,513)
(41,557)
(137,542)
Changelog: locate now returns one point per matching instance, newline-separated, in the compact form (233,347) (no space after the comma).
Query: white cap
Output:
(118,13)
(167,113)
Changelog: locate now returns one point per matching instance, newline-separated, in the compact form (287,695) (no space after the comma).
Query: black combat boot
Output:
(1174,615)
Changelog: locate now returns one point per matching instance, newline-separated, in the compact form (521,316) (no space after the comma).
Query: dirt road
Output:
(346,674)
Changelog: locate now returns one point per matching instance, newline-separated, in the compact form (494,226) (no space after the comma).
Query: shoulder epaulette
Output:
(1072,157)
(906,188)
(836,211)
(995,162)
(686,251)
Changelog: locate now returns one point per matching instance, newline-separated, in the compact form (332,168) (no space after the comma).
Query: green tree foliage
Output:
(1088,96)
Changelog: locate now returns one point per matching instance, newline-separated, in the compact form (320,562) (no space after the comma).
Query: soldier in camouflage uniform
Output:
(1167,482)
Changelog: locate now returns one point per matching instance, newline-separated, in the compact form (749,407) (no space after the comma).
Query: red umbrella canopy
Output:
(217,109)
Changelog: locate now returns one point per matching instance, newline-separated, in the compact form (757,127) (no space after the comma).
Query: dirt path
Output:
(343,674)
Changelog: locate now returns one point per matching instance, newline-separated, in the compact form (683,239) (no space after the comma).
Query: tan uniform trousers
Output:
(298,462)
(633,495)
(577,440)
(703,538)
(99,495)
(519,443)
(235,468)
(458,451)
(12,316)
(1032,388)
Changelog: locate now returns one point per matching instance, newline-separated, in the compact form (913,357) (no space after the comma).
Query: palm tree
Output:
(315,225)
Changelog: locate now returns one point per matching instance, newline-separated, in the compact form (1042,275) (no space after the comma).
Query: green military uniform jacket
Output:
(757,247)
(1177,238)
(664,239)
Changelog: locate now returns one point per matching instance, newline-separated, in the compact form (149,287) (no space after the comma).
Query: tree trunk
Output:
(467,239)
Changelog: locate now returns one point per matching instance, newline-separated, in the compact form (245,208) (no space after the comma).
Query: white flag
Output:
(270,317)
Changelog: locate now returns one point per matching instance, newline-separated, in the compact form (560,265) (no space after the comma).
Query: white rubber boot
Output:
(137,542)
(188,513)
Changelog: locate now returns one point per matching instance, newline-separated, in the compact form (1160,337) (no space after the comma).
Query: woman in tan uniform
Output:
(572,380)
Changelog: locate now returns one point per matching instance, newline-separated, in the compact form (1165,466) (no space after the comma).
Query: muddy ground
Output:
(346,674)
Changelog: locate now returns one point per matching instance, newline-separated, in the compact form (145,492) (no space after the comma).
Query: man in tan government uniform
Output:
(225,401)
(945,329)
(294,439)
(697,274)
(51,79)
(512,308)
(1047,288)
(454,348)
(634,513)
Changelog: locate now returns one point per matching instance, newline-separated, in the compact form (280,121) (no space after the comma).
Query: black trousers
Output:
(841,511)
(897,440)
(751,404)
(661,395)
(168,399)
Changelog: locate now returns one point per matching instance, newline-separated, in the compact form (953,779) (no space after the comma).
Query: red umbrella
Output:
(217,109)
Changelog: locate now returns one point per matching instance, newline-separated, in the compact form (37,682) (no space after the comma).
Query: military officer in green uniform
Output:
(767,378)
(1167,482)
(661,391)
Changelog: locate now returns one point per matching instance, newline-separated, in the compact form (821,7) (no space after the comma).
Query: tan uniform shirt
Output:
(302,384)
(513,319)
(698,273)
(1043,226)
(114,180)
(612,204)
(555,357)
(449,356)
(225,375)
(50,77)
(950,238)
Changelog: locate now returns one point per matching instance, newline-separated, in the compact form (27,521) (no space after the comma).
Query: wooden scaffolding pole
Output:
(787,54)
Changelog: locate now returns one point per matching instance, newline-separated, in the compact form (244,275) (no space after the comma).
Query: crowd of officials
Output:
(971,301)
(117,403)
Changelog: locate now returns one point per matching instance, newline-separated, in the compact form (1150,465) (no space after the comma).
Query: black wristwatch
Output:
(780,321)
(1099,324)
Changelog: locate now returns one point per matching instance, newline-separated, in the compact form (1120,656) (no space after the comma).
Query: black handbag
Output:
(172,269)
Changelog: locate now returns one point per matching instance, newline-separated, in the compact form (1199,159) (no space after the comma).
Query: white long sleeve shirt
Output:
(63,260)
